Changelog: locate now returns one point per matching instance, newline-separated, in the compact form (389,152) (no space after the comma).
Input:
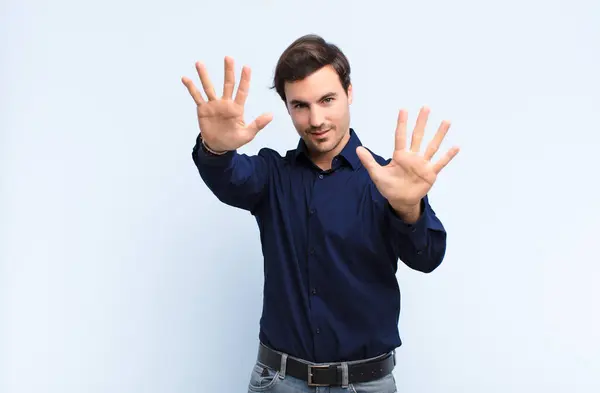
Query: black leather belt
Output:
(329,374)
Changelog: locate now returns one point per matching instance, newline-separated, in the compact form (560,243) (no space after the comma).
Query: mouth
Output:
(320,134)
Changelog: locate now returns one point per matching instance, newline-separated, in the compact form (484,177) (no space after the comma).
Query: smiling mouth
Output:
(320,133)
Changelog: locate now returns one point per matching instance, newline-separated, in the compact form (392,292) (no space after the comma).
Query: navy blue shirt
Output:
(331,244)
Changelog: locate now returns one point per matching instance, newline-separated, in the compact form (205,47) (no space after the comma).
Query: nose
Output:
(316,117)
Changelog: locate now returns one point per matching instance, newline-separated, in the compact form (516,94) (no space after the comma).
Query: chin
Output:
(323,145)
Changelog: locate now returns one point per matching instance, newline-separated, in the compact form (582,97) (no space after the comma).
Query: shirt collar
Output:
(348,152)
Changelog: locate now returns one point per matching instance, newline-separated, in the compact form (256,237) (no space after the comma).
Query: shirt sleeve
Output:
(238,180)
(422,245)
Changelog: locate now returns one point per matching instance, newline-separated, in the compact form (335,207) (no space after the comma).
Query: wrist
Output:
(408,213)
(211,150)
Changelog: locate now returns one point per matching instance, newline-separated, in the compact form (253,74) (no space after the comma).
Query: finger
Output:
(195,93)
(442,162)
(229,81)
(419,130)
(260,122)
(206,83)
(368,161)
(435,143)
(401,130)
(243,87)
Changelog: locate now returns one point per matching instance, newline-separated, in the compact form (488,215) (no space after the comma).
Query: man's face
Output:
(319,108)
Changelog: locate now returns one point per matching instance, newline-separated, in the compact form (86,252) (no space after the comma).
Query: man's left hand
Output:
(409,176)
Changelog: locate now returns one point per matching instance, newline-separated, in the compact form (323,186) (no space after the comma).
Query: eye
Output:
(328,99)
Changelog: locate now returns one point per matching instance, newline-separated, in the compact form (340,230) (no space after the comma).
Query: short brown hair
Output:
(306,55)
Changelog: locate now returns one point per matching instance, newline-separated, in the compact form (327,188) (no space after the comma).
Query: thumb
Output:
(367,160)
(260,122)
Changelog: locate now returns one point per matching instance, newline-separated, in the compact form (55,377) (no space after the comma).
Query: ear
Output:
(350,93)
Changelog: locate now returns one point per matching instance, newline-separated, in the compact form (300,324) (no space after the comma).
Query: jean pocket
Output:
(262,378)
(385,384)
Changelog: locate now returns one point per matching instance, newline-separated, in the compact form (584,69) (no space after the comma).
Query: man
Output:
(334,219)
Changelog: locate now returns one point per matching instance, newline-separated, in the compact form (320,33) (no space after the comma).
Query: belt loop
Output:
(283,365)
(344,375)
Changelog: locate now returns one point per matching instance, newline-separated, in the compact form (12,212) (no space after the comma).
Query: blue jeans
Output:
(266,380)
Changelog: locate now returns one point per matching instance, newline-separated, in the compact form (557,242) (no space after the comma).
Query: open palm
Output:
(409,176)
(221,121)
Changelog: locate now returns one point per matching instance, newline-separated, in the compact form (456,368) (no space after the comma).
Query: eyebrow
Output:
(328,95)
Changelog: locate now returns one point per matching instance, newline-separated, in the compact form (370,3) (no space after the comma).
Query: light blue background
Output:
(120,272)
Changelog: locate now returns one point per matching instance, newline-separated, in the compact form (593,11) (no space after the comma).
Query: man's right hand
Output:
(221,121)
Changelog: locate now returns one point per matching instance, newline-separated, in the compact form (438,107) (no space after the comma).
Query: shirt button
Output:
(311,212)
(419,252)
(320,176)
(318,331)
(312,251)
(314,291)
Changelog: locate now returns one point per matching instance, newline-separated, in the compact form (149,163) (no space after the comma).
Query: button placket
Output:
(313,254)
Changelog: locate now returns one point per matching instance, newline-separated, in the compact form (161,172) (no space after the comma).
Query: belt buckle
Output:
(310,375)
